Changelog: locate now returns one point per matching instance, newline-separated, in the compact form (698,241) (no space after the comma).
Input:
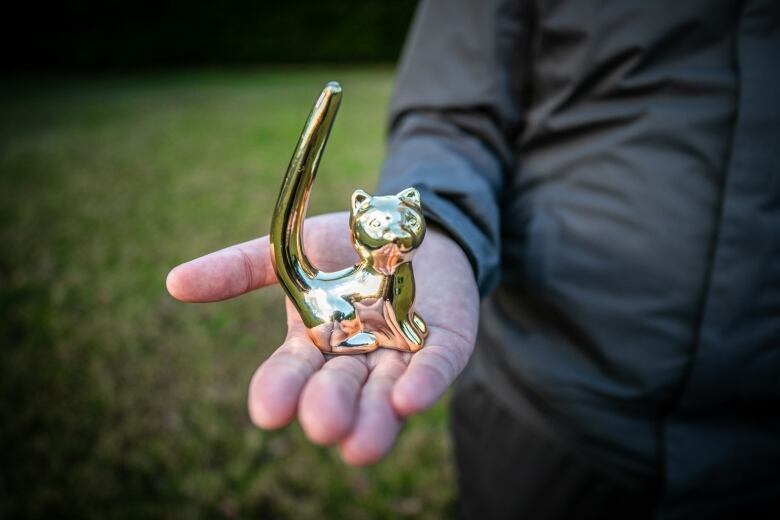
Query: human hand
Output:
(357,401)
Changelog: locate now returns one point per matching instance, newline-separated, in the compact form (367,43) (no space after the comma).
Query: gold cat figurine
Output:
(371,304)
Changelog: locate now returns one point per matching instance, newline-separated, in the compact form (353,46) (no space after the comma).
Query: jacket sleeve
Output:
(453,116)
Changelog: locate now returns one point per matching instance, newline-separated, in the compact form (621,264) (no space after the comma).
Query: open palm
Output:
(357,401)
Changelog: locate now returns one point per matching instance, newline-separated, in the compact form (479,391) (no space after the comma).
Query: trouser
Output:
(506,469)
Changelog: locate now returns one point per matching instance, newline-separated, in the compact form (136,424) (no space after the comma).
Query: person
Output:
(603,176)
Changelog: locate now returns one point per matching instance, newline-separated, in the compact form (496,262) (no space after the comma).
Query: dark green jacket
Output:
(612,168)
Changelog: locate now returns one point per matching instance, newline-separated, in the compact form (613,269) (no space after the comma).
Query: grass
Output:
(116,400)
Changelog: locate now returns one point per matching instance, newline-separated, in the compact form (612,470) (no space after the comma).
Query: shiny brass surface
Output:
(371,304)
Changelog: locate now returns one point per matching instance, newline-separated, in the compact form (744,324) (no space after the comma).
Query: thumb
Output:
(223,274)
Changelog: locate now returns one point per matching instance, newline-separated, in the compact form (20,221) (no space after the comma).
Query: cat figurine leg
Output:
(409,329)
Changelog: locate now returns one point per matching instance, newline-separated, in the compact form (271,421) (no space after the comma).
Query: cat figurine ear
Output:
(359,199)
(411,196)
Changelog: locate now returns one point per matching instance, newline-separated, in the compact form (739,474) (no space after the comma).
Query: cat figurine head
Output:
(386,230)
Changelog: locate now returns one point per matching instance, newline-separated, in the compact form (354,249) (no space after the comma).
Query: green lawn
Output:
(115,399)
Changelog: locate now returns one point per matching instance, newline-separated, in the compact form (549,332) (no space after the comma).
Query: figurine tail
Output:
(293,269)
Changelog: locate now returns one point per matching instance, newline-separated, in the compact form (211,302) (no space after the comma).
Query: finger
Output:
(224,274)
(277,384)
(430,372)
(329,400)
(377,424)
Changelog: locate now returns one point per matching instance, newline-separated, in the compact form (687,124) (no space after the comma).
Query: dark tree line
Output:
(126,34)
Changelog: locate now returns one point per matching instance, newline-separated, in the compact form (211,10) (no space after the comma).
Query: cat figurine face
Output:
(387,229)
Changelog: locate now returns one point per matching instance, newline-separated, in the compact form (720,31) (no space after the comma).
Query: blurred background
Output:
(135,136)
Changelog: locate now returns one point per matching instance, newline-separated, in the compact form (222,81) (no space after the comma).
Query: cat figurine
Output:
(371,304)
